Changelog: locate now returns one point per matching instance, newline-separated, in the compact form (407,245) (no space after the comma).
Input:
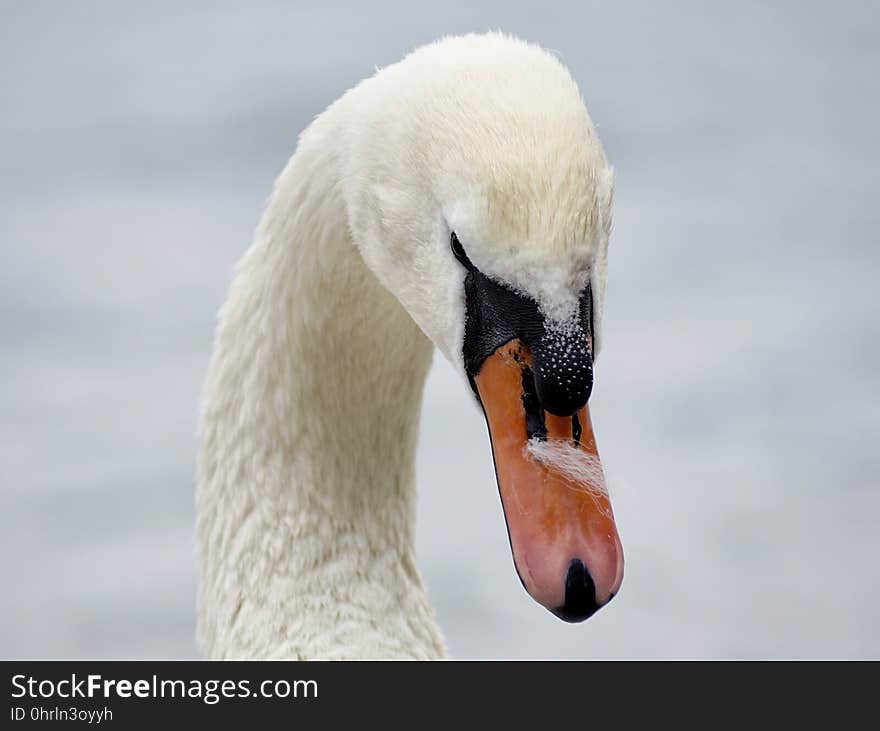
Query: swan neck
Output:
(306,497)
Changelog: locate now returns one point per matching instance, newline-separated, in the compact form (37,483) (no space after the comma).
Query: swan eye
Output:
(459,252)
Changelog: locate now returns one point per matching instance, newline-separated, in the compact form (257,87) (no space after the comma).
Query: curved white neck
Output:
(306,495)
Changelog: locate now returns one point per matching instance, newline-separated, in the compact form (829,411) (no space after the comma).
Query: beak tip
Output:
(580,601)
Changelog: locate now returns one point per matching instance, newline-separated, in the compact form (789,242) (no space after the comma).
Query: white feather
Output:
(582,468)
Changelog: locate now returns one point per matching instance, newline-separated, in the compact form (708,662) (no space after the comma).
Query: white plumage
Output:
(306,495)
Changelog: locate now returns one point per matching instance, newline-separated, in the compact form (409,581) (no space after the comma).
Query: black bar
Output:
(455,694)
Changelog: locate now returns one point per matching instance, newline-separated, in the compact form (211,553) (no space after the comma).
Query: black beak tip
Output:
(580,594)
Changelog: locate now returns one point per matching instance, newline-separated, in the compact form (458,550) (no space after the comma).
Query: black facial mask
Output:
(562,357)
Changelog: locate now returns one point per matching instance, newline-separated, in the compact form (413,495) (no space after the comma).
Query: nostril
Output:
(536,426)
(580,594)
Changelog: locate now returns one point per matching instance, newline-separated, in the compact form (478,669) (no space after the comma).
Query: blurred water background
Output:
(736,398)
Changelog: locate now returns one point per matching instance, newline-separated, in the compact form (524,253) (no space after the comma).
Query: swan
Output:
(458,199)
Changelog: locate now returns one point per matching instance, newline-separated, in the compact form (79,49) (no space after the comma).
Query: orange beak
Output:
(559,519)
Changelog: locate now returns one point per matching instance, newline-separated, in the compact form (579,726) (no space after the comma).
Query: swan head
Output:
(480,196)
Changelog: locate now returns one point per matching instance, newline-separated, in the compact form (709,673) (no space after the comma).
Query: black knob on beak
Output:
(563,368)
